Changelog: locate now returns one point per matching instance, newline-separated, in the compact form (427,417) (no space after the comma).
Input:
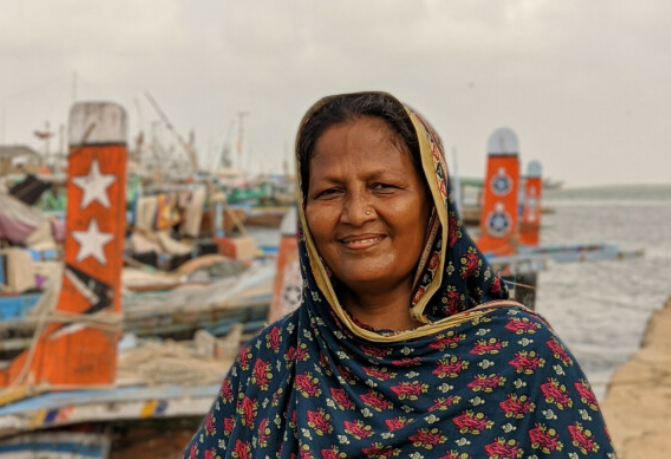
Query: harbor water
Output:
(600,309)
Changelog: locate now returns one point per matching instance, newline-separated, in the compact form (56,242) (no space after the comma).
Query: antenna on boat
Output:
(74,87)
(241,131)
(225,158)
(139,142)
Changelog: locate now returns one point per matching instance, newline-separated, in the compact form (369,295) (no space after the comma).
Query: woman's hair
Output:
(352,107)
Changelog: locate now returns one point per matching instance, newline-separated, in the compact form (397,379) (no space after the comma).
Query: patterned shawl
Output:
(483,378)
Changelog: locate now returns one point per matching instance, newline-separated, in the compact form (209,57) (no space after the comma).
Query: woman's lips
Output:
(361,242)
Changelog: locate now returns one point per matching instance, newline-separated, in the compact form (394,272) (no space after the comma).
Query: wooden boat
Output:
(80,371)
(214,307)
(15,306)
(61,444)
(155,382)
(163,311)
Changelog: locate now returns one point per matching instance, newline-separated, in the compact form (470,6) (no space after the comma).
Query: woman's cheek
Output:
(318,218)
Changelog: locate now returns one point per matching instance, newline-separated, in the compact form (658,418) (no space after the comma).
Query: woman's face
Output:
(366,206)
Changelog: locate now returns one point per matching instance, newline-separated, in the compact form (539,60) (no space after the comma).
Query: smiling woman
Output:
(367,211)
(405,343)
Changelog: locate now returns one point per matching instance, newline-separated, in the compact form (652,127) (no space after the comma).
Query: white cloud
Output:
(74,26)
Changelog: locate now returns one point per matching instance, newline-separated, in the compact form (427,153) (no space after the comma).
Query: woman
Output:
(405,344)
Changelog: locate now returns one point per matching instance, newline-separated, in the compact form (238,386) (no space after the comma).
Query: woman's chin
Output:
(361,283)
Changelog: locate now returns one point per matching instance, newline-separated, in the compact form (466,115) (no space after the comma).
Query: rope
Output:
(519,284)
(23,373)
(229,212)
(49,315)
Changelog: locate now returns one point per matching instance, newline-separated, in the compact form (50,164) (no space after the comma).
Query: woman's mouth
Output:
(361,242)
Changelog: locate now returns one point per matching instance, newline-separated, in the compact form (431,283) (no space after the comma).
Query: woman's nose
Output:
(357,209)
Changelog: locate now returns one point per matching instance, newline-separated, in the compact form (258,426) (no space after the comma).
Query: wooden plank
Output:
(61,409)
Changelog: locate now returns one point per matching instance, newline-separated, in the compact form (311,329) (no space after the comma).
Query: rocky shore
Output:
(637,406)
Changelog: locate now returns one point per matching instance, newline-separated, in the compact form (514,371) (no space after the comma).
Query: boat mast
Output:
(241,116)
(193,157)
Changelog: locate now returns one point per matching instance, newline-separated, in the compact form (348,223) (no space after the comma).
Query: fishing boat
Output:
(62,444)
(83,379)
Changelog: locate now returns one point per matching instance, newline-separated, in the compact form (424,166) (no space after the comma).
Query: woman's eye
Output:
(383,186)
(327,193)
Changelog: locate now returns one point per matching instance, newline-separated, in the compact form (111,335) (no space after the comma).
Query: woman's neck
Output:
(381,311)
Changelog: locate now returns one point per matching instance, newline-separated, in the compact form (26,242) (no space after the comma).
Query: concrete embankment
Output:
(637,406)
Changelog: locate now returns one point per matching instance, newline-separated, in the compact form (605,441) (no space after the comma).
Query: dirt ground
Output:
(152,441)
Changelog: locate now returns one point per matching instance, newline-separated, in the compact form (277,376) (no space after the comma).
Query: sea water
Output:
(600,309)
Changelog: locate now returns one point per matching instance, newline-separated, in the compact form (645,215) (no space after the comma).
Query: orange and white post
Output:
(287,288)
(76,344)
(531,209)
(498,222)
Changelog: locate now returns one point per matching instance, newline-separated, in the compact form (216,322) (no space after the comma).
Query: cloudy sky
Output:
(586,85)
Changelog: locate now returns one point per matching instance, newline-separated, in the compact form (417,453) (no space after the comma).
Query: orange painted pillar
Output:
(498,222)
(531,210)
(288,283)
(78,344)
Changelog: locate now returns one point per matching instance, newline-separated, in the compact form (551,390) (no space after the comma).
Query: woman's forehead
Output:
(372,129)
(361,133)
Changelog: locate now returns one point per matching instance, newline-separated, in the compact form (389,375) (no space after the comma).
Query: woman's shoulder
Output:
(276,338)
(528,330)
(514,317)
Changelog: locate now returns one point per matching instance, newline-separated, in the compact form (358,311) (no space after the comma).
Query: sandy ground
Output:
(637,406)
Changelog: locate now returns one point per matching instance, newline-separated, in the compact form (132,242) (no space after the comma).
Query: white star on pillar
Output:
(94,185)
(91,242)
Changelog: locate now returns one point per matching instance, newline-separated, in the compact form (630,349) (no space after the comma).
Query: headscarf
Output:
(452,275)
(482,377)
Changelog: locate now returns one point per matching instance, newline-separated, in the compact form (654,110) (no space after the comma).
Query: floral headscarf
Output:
(482,378)
(452,275)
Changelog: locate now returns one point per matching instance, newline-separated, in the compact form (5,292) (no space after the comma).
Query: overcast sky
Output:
(585,84)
